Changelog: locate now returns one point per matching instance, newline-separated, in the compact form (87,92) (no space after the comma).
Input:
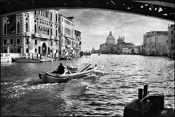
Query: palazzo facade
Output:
(39,33)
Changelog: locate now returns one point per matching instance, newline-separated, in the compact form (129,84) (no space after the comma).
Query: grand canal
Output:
(22,92)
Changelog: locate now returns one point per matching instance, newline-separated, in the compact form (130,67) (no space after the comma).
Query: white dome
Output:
(110,39)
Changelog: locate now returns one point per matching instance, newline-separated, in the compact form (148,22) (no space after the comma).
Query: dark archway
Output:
(44,49)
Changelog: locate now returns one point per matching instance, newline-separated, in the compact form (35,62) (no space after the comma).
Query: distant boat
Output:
(46,60)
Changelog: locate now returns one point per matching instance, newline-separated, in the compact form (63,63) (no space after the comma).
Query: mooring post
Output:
(145,92)
(140,96)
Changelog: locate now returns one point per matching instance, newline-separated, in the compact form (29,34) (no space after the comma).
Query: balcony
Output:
(27,34)
(41,36)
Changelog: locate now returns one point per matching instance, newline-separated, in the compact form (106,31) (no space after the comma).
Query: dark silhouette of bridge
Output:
(163,9)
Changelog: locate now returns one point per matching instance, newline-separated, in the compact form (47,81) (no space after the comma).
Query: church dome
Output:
(110,39)
(120,39)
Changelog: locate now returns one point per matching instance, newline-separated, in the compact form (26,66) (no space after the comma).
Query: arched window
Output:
(5,28)
(27,50)
(35,50)
(19,50)
(48,31)
(51,31)
(27,27)
(39,49)
(35,28)
(18,28)
(5,41)
(48,50)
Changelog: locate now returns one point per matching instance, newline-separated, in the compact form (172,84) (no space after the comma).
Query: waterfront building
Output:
(94,51)
(155,43)
(171,41)
(67,37)
(125,47)
(78,43)
(136,50)
(31,33)
(38,33)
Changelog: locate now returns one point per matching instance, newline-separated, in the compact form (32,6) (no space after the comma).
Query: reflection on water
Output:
(22,92)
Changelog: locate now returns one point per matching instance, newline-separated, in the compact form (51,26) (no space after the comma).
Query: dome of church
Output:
(120,39)
(110,39)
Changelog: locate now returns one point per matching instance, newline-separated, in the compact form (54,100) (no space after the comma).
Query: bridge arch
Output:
(163,9)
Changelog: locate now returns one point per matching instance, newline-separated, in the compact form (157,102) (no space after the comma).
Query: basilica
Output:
(111,47)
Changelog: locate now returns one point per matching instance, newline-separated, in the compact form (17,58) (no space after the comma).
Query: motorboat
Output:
(51,77)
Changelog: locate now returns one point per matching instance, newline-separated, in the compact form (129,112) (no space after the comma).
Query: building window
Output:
(27,41)
(18,28)
(35,50)
(19,50)
(51,43)
(18,41)
(27,50)
(27,27)
(11,50)
(171,41)
(56,17)
(5,28)
(35,42)
(172,32)
(11,41)
(5,41)
(48,50)
(5,50)
(39,49)
(172,48)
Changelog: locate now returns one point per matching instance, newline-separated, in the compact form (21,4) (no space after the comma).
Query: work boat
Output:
(147,105)
(51,77)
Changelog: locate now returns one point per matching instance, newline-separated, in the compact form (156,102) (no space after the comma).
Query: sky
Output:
(95,25)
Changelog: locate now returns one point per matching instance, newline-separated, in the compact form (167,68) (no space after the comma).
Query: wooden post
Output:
(145,92)
(140,96)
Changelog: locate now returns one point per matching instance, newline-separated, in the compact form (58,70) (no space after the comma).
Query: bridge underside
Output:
(163,9)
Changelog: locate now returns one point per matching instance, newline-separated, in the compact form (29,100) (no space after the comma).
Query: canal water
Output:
(23,94)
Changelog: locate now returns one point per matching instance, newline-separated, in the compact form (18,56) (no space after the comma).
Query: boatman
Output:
(60,69)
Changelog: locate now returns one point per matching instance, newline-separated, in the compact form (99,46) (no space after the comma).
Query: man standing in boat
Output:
(60,69)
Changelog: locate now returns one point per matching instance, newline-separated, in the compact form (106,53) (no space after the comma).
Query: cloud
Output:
(95,24)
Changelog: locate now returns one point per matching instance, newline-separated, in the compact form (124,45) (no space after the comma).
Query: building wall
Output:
(155,43)
(125,50)
(171,41)
(11,34)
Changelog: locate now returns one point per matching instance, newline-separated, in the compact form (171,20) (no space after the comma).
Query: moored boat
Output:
(46,60)
(148,105)
(26,60)
(50,77)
